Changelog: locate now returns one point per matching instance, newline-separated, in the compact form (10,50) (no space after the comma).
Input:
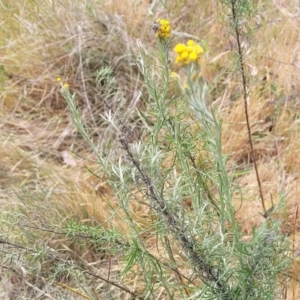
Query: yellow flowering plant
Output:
(189,56)
(178,157)
(162,29)
(63,86)
(189,53)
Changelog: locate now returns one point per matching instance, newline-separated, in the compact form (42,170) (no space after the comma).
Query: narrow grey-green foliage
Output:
(180,158)
(96,235)
(239,12)
(179,172)
(242,19)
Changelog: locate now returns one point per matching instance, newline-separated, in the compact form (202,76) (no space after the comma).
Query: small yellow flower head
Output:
(162,28)
(174,75)
(63,85)
(193,56)
(190,43)
(198,49)
(188,53)
(64,88)
(179,48)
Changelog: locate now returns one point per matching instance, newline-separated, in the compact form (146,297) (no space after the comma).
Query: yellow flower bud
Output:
(190,43)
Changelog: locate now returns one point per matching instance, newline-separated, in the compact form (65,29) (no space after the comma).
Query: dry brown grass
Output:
(71,40)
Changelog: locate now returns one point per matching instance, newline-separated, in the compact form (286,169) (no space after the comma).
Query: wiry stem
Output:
(245,95)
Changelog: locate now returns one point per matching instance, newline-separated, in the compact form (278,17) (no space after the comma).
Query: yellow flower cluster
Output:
(63,85)
(188,53)
(162,28)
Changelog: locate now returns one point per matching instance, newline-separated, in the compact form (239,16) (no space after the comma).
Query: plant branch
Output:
(205,271)
(245,95)
(90,237)
(57,258)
